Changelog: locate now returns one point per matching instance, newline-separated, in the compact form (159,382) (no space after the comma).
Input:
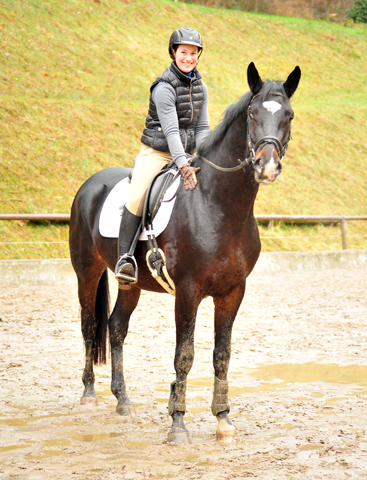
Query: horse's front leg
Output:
(118,327)
(226,308)
(186,307)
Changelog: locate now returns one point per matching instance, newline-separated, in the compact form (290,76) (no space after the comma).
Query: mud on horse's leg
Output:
(118,327)
(226,308)
(89,395)
(87,291)
(185,315)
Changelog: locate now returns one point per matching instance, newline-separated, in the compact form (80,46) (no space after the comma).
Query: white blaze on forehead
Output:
(272,106)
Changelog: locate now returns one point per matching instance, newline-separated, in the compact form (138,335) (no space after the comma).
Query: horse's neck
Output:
(233,192)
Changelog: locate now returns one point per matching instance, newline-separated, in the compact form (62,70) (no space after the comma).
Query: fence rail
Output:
(269,219)
(36,217)
(314,219)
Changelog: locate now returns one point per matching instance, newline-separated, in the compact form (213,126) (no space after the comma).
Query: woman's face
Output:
(186,57)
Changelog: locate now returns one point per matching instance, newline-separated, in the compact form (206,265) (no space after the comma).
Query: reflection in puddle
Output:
(46,453)
(311,446)
(21,422)
(57,442)
(104,393)
(96,437)
(196,410)
(273,377)
(132,444)
(264,387)
(287,426)
(16,422)
(7,448)
(200,382)
(203,438)
(332,400)
(313,372)
(137,406)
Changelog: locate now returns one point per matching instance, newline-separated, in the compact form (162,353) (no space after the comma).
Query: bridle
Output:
(281,149)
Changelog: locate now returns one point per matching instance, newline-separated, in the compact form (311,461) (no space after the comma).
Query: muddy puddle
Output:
(297,377)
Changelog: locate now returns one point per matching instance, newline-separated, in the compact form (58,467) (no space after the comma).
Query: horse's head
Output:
(269,120)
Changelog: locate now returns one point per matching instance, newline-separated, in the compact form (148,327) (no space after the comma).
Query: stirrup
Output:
(126,278)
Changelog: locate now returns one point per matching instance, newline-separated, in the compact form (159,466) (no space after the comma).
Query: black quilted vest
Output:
(189,103)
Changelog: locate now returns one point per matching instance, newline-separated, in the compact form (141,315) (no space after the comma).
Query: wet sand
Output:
(298,387)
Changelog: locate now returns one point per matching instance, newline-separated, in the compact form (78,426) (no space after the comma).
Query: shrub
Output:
(359,11)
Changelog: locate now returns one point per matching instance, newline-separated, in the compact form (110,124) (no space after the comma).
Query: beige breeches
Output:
(149,163)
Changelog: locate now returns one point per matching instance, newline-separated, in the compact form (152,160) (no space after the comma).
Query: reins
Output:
(224,169)
(281,149)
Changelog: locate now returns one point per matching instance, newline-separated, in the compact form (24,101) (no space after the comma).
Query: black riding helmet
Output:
(187,36)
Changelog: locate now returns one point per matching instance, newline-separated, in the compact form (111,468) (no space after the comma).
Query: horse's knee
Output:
(118,331)
(184,359)
(221,359)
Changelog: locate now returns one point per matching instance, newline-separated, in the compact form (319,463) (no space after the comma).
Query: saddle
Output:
(155,257)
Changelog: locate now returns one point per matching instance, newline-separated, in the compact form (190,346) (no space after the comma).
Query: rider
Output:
(177,122)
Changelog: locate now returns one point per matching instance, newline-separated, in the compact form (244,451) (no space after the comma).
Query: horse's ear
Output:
(291,84)
(253,78)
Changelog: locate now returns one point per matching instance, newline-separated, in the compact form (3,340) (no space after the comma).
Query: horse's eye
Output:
(251,116)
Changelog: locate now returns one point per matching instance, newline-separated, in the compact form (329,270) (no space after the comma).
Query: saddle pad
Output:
(109,220)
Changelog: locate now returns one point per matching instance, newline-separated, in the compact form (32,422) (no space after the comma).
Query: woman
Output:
(177,122)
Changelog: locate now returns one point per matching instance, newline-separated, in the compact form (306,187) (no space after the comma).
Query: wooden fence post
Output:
(343,226)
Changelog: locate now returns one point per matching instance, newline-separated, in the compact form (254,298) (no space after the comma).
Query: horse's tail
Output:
(102,313)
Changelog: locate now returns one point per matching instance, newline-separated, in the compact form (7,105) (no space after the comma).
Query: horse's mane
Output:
(234,111)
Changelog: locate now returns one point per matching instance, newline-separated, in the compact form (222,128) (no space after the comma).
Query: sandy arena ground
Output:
(298,387)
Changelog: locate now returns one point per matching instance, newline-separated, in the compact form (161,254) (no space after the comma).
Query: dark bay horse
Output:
(211,245)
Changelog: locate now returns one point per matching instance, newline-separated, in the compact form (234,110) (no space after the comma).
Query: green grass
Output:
(74,89)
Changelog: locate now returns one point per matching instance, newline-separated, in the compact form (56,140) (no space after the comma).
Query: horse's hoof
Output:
(226,436)
(89,401)
(179,437)
(226,431)
(127,410)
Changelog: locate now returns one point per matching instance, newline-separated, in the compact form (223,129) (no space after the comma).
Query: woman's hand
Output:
(189,176)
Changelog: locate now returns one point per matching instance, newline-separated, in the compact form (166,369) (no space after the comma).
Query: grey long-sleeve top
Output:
(164,98)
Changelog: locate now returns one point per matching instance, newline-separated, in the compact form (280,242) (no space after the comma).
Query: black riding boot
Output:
(125,270)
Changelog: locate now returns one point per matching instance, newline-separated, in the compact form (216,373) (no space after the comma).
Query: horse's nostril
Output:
(257,165)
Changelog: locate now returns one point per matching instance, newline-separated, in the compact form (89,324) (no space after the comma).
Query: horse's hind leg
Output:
(186,306)
(226,308)
(94,302)
(118,326)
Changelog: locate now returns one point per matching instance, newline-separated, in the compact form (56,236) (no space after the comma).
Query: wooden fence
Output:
(267,219)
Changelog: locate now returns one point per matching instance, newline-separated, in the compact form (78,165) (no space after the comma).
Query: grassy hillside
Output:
(74,88)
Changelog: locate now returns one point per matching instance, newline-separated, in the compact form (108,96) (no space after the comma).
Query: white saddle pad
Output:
(109,220)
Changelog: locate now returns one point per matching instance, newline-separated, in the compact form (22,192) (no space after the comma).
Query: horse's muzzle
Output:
(267,165)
